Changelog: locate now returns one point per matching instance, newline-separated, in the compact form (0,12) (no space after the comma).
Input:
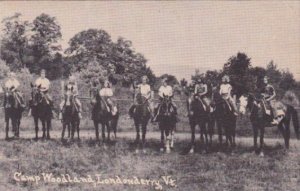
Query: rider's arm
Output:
(160,92)
(273,94)
(196,89)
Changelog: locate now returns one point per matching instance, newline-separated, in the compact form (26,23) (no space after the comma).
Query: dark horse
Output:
(40,110)
(70,117)
(204,119)
(101,115)
(166,117)
(260,120)
(141,116)
(225,119)
(13,111)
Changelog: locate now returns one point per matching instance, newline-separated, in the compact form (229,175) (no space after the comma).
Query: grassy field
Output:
(217,170)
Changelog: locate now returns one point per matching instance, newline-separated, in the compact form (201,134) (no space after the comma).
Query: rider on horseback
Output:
(191,95)
(71,88)
(225,92)
(43,85)
(106,93)
(145,90)
(273,107)
(201,91)
(12,85)
(165,91)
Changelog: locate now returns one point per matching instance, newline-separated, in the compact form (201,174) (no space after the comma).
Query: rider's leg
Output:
(206,102)
(78,103)
(233,105)
(61,107)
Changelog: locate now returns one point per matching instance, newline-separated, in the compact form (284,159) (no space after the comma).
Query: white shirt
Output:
(12,83)
(43,82)
(225,89)
(165,90)
(145,89)
(106,92)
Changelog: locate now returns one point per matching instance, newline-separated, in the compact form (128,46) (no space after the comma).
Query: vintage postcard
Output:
(149,95)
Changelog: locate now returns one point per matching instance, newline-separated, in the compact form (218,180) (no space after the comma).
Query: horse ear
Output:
(31,85)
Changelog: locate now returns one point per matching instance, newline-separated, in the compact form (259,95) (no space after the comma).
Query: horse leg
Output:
(144,131)
(96,125)
(167,143)
(193,128)
(77,126)
(210,131)
(204,131)
(255,134)
(69,129)
(172,139)
(6,129)
(36,123)
(48,128)
(220,133)
(72,125)
(162,139)
(63,131)
(108,131)
(286,134)
(103,131)
(262,132)
(44,128)
(137,128)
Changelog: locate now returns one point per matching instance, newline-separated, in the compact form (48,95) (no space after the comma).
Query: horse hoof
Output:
(144,151)
(136,151)
(168,150)
(191,151)
(261,154)
(161,149)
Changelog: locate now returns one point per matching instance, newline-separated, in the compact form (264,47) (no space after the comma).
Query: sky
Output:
(178,37)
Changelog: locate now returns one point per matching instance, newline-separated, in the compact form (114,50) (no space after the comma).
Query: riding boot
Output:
(60,115)
(29,113)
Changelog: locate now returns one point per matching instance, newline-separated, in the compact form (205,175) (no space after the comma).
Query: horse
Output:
(225,119)
(41,109)
(259,120)
(101,115)
(167,119)
(204,119)
(70,117)
(13,111)
(141,116)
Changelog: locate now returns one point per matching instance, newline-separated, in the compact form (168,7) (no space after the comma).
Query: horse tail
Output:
(292,113)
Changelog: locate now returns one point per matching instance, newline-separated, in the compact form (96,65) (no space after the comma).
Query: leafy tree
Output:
(4,69)
(44,42)
(237,67)
(14,42)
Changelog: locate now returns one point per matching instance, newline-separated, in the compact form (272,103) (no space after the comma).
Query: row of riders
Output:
(204,109)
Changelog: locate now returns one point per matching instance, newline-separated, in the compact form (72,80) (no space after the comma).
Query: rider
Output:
(225,92)
(71,88)
(145,90)
(43,84)
(106,93)
(201,93)
(165,90)
(12,85)
(191,93)
(269,94)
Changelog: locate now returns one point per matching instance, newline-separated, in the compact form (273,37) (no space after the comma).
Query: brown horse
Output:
(101,115)
(141,116)
(260,120)
(13,111)
(70,118)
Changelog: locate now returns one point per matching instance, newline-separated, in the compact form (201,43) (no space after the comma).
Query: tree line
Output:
(29,46)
